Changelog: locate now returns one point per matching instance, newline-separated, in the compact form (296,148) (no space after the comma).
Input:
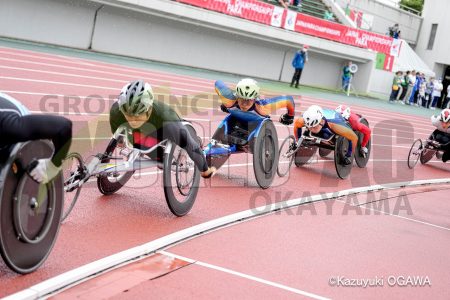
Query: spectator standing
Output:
(415,93)
(395,86)
(411,82)
(421,97)
(428,92)
(447,99)
(394,31)
(404,86)
(300,58)
(437,90)
(346,76)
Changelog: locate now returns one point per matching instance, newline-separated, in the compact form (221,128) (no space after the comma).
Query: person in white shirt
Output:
(442,132)
(437,90)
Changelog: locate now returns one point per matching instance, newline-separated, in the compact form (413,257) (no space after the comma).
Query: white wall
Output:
(435,12)
(381,82)
(63,22)
(171,32)
(156,38)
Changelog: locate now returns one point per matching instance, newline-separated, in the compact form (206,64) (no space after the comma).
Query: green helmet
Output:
(136,98)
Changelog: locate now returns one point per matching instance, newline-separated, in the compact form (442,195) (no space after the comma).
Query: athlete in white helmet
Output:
(442,132)
(315,121)
(353,120)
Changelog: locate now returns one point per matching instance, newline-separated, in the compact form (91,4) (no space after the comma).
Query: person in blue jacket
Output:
(300,58)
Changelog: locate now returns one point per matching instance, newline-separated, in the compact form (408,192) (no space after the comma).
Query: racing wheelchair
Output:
(424,151)
(302,151)
(30,212)
(117,164)
(246,132)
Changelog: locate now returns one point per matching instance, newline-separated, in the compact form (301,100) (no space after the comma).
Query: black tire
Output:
(340,150)
(414,153)
(73,172)
(108,185)
(218,160)
(30,213)
(285,158)
(265,154)
(323,152)
(426,155)
(304,154)
(181,178)
(361,161)
(179,202)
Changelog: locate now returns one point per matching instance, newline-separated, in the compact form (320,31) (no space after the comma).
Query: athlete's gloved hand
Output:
(364,151)
(224,108)
(44,171)
(347,160)
(286,119)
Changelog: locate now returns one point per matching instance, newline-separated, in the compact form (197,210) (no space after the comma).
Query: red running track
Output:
(101,226)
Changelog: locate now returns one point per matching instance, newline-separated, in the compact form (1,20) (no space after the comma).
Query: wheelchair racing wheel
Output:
(415,153)
(285,156)
(323,152)
(304,154)
(110,183)
(74,172)
(340,150)
(181,177)
(265,154)
(30,213)
(360,159)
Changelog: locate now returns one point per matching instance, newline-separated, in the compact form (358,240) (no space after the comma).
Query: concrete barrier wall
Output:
(157,38)
(171,32)
(60,22)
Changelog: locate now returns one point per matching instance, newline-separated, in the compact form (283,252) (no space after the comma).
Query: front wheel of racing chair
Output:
(110,183)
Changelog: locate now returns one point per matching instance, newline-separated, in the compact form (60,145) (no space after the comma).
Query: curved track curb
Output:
(93,269)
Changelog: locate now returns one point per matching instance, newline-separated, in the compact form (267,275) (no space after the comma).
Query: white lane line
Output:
(79,274)
(124,71)
(169,75)
(242,275)
(120,81)
(389,126)
(397,216)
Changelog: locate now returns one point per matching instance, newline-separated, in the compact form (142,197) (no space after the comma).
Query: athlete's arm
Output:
(346,132)
(298,125)
(268,106)
(226,94)
(357,125)
(16,128)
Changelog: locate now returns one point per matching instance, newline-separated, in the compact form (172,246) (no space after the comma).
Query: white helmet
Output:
(445,115)
(136,98)
(344,111)
(312,116)
(247,88)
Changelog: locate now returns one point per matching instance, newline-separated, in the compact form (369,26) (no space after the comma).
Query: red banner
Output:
(247,9)
(276,16)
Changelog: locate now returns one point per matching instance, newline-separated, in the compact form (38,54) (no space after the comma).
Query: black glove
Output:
(223,108)
(286,119)
(347,161)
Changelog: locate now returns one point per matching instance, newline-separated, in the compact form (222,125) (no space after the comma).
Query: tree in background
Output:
(414,4)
